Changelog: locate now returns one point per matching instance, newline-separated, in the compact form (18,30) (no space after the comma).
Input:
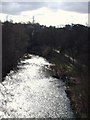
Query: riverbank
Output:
(76,81)
(77,91)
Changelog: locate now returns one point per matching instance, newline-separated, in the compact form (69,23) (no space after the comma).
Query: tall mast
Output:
(33,20)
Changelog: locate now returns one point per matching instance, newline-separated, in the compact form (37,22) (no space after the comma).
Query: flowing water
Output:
(32,93)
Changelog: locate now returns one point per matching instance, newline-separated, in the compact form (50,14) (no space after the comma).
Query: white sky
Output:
(47,16)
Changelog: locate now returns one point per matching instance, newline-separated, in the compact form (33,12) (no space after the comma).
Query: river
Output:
(31,92)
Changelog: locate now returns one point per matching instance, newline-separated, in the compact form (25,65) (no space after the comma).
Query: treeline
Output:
(71,40)
(18,39)
(14,45)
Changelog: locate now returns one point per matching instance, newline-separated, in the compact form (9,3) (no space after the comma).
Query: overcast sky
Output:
(46,13)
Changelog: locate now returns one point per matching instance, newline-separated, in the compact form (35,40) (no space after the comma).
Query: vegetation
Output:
(71,61)
(14,45)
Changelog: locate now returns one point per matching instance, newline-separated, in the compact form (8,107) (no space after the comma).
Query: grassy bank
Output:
(76,79)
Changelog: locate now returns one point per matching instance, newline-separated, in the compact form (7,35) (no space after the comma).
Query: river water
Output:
(32,93)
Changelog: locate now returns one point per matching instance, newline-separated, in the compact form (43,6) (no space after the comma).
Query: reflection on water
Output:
(33,93)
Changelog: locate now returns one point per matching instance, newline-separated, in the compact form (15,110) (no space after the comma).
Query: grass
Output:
(76,83)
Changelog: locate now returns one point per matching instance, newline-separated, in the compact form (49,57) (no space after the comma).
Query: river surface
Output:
(31,92)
